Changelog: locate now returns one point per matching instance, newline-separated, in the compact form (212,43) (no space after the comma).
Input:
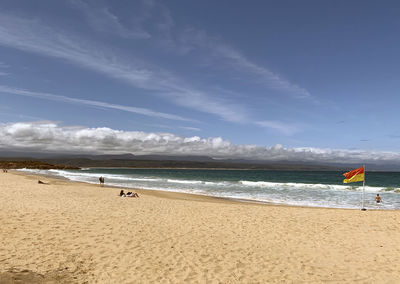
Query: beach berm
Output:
(68,232)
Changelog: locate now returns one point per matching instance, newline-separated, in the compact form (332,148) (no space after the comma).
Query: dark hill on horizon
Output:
(182,164)
(169,161)
(156,161)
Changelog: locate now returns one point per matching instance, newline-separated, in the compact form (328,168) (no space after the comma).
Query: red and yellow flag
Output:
(354,175)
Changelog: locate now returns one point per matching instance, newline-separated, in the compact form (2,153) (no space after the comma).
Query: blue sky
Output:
(316,75)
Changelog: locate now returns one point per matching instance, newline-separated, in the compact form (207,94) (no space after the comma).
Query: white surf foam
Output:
(184,181)
(305,186)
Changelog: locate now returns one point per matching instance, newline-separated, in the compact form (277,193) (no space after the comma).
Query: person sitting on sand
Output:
(129,194)
(378,199)
(132,194)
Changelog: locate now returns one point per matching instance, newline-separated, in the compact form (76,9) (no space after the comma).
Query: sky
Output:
(272,80)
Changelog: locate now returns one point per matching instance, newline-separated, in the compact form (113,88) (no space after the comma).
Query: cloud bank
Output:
(52,137)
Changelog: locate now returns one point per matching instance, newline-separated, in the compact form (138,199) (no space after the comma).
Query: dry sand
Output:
(65,232)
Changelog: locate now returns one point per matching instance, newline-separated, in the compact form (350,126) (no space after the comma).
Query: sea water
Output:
(302,188)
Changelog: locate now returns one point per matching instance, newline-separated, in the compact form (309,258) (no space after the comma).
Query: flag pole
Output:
(363,193)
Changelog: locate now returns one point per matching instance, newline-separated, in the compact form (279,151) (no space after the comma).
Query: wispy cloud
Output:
(190,128)
(3,67)
(103,20)
(190,39)
(91,103)
(35,37)
(19,117)
(32,36)
(285,128)
(394,136)
(174,127)
(193,39)
(49,136)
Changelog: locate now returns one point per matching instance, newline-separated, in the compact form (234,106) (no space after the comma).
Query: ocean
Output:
(301,188)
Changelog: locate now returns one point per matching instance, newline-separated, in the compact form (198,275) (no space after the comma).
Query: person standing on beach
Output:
(101,179)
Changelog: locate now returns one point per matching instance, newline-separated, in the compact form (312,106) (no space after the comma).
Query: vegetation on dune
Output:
(29,164)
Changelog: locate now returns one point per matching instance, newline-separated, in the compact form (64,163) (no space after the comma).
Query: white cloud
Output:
(65,99)
(32,36)
(49,136)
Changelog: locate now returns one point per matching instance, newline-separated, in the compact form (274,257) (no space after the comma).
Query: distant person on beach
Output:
(378,199)
(101,179)
(129,194)
(132,194)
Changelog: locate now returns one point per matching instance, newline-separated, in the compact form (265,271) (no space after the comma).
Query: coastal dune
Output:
(67,232)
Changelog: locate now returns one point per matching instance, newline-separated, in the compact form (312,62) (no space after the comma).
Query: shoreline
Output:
(197,196)
(190,196)
(72,232)
(166,194)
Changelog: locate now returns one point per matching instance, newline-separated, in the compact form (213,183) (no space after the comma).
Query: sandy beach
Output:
(65,232)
